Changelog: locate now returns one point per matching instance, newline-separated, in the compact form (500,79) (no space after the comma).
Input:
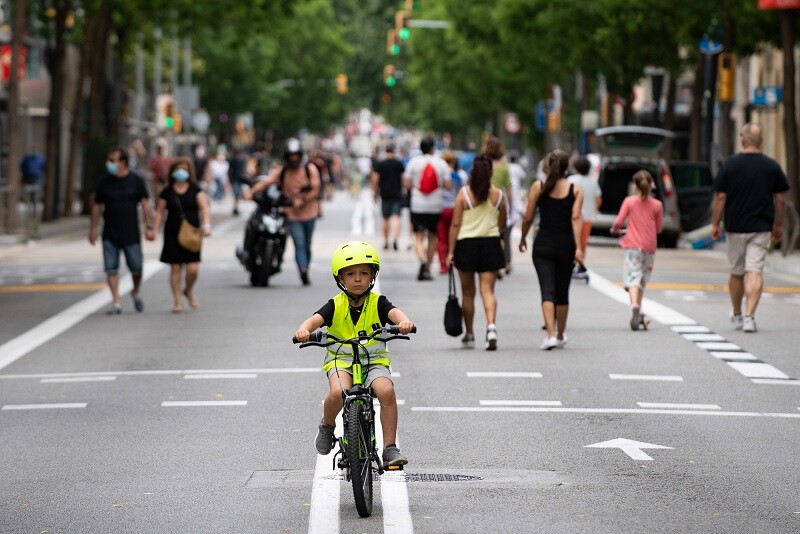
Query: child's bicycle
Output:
(357,445)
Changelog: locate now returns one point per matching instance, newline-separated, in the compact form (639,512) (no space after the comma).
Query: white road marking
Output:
(745,363)
(664,378)
(502,374)
(326,492)
(78,379)
(166,372)
(659,312)
(703,337)
(678,406)
(712,345)
(630,447)
(58,406)
(394,489)
(630,411)
(40,334)
(771,381)
(215,376)
(519,403)
(178,404)
(691,329)
(758,370)
(743,356)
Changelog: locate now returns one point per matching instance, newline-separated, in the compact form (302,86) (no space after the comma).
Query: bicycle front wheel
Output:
(359,448)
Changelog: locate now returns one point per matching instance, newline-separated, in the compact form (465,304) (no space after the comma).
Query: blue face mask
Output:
(111,167)
(180,175)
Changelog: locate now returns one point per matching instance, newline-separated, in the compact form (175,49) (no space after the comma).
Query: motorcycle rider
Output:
(301,184)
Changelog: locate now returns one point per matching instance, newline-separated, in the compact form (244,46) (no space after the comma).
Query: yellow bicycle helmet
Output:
(354,253)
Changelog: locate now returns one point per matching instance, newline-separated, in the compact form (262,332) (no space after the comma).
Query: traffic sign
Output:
(710,47)
(511,123)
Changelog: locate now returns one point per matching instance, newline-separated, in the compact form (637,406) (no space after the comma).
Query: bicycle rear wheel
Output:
(359,448)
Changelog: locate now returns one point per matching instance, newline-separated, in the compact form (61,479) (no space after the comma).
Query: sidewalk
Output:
(78,226)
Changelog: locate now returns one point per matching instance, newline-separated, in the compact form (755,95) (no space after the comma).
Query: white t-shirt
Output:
(516,173)
(591,190)
(432,202)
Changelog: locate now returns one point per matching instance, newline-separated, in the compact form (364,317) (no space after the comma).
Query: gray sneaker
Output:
(392,456)
(749,324)
(737,320)
(635,320)
(325,439)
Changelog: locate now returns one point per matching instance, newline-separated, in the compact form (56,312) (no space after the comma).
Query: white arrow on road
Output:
(630,447)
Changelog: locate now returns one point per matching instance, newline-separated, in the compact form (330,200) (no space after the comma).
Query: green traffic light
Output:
(169,122)
(414,5)
(391,81)
(404,33)
(395,50)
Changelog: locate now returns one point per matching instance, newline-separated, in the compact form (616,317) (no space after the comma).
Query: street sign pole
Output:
(709,48)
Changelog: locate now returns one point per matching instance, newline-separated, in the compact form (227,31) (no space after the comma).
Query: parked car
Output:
(693,182)
(624,150)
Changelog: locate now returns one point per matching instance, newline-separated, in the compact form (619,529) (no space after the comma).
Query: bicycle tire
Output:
(359,450)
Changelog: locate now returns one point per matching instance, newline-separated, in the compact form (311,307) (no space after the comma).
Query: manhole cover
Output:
(416,477)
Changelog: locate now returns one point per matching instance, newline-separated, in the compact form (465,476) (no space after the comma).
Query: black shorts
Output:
(391,206)
(424,221)
(479,254)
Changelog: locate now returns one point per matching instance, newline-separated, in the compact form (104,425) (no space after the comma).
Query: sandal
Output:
(193,302)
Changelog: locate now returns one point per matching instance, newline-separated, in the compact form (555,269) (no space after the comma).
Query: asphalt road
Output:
(204,421)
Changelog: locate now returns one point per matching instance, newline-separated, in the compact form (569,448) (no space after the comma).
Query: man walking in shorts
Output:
(118,196)
(750,191)
(425,176)
(387,180)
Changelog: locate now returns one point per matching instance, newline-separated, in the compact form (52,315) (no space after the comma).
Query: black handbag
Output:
(453,318)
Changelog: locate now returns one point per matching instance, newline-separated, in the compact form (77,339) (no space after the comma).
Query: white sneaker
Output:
(737,320)
(549,343)
(635,319)
(560,343)
(749,324)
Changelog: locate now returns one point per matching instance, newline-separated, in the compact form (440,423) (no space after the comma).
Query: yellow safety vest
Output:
(341,356)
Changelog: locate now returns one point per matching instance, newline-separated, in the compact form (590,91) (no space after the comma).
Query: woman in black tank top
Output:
(557,244)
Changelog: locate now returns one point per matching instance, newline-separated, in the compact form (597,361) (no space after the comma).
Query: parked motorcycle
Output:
(265,236)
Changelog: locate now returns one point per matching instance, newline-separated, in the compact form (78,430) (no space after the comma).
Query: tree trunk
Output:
(52,184)
(788,36)
(15,147)
(668,120)
(696,117)
(75,141)
(97,142)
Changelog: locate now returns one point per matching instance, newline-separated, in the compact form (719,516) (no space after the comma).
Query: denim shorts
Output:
(391,206)
(133,257)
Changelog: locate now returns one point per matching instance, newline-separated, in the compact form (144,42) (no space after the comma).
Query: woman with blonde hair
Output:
(181,198)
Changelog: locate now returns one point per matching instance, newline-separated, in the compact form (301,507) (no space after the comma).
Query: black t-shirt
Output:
(384,307)
(749,181)
(390,178)
(120,198)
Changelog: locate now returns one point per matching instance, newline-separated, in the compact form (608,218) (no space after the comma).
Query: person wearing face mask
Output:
(182,197)
(117,197)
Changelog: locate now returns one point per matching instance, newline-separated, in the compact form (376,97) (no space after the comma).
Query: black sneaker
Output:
(394,245)
(325,439)
(392,456)
(304,278)
(423,272)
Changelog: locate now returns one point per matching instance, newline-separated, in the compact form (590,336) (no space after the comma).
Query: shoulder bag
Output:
(453,319)
(190,237)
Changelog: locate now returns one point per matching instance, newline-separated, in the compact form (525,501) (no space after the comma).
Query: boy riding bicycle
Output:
(355,267)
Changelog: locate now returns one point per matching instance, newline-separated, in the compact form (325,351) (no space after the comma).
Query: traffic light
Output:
(389,77)
(169,115)
(727,77)
(392,46)
(412,5)
(341,83)
(401,25)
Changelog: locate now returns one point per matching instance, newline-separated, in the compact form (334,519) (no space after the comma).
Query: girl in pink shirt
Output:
(645,217)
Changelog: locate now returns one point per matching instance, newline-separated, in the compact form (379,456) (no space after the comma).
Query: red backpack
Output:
(428,181)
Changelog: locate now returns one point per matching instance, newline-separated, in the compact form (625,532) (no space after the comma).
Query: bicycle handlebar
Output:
(321,338)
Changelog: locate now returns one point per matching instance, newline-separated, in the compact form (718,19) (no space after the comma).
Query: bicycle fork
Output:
(344,462)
